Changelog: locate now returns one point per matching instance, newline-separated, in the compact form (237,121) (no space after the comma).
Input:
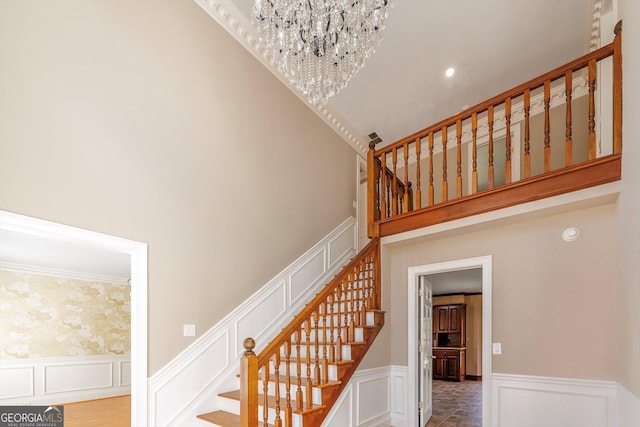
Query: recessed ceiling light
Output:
(450,72)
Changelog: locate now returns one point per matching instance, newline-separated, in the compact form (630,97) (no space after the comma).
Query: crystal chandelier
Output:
(320,44)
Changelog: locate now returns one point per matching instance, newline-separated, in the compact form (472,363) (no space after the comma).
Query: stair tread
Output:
(222,418)
(235,395)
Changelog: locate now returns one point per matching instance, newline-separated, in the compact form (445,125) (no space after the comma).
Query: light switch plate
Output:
(189,330)
(497,348)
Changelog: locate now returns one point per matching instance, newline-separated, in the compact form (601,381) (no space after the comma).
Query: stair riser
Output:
(233,406)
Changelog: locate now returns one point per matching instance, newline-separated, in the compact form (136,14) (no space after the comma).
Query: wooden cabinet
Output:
(449,325)
(449,364)
(449,361)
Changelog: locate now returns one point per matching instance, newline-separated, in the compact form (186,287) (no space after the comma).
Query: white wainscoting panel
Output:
(188,385)
(365,402)
(398,398)
(628,408)
(523,401)
(63,380)
(77,376)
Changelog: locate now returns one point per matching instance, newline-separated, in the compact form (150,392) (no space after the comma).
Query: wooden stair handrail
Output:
(555,74)
(359,283)
(308,310)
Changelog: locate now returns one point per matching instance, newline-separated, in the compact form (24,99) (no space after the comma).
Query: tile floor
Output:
(456,404)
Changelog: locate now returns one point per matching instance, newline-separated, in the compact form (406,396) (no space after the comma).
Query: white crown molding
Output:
(225,13)
(23,268)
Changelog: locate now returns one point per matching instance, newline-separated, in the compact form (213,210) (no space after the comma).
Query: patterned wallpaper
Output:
(49,316)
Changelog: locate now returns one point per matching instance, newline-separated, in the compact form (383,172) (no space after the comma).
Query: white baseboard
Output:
(62,380)
(522,400)
(188,385)
(628,408)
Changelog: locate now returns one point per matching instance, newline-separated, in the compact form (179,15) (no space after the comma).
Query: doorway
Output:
(138,254)
(419,385)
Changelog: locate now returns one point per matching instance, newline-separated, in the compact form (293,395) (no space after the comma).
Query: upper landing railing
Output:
(557,133)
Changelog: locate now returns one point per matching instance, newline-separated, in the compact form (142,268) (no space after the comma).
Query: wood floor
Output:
(111,412)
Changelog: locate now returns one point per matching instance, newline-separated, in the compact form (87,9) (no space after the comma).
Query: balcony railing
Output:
(557,133)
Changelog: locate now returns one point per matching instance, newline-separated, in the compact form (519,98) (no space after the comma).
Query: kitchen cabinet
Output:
(449,364)
(449,325)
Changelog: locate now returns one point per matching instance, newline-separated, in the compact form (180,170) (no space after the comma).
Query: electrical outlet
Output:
(189,330)
(497,348)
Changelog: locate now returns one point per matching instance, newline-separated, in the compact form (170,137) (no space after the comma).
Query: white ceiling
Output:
(37,253)
(452,282)
(494,45)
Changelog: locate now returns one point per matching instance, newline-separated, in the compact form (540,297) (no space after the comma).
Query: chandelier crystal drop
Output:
(319,45)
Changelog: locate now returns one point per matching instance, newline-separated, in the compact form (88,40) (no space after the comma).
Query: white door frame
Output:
(138,252)
(414,273)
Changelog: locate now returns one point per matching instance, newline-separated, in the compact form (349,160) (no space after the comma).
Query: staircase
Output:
(297,378)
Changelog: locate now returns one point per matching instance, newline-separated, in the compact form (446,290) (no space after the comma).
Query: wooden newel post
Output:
(617,89)
(371,188)
(249,385)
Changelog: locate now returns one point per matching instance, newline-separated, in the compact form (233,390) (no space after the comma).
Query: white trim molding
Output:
(628,407)
(413,274)
(534,401)
(54,381)
(188,385)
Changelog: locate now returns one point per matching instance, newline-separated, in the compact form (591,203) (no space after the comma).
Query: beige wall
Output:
(146,120)
(52,316)
(629,204)
(553,302)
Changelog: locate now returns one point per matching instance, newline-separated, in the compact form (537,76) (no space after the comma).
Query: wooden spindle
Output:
(527,136)
(418,191)
(617,89)
(490,176)
(474,154)
(507,120)
(592,109)
(316,366)
(325,360)
(340,327)
(309,394)
(405,201)
(547,126)
(383,206)
(445,188)
(430,168)
(459,158)
(568,142)
(265,394)
(351,325)
(299,398)
(394,183)
(363,293)
(332,337)
(288,411)
(276,375)
(372,186)
(249,385)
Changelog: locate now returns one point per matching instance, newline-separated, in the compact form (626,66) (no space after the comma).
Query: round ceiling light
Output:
(450,72)
(571,234)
